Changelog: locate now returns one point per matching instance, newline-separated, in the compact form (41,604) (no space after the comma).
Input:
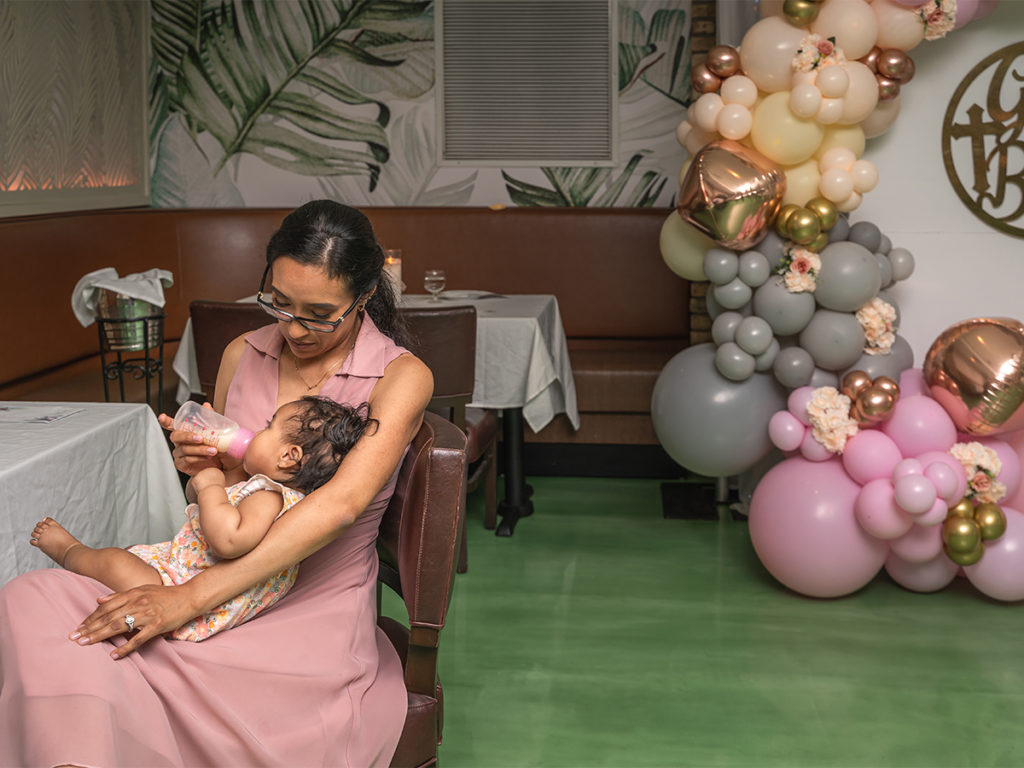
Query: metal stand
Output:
(141,334)
(516,503)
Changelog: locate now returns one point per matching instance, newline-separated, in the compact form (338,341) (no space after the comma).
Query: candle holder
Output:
(393,268)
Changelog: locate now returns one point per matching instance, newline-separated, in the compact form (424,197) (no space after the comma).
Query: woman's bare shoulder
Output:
(410,376)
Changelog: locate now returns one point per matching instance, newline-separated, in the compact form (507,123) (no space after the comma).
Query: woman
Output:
(311,681)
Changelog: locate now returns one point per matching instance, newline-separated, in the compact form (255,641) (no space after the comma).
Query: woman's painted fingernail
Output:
(76,635)
(114,656)
(84,641)
(212,451)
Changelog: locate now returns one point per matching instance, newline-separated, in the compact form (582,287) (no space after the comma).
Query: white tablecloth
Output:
(105,473)
(522,360)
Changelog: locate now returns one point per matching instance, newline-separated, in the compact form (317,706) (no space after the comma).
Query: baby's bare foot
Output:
(51,537)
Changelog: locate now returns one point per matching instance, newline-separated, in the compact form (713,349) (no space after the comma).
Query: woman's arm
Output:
(397,403)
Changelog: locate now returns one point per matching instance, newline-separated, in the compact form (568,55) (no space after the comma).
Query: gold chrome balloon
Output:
(723,61)
(854,383)
(800,13)
(782,219)
(818,243)
(803,226)
(963,508)
(991,521)
(975,369)
(960,534)
(826,210)
(731,193)
(966,558)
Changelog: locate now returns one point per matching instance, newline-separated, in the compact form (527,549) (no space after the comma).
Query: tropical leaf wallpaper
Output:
(270,102)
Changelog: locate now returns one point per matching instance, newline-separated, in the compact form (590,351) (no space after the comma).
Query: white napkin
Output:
(147,286)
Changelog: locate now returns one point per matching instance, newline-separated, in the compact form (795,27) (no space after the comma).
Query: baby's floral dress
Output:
(188,555)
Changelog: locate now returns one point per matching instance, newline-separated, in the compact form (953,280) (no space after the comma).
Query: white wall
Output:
(964,267)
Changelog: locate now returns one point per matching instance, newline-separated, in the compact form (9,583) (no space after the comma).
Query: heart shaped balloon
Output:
(731,193)
(976,371)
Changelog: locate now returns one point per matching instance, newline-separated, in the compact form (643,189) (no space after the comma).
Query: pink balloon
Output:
(944,479)
(803,529)
(910,3)
(786,431)
(1016,442)
(869,455)
(915,494)
(929,576)
(1009,475)
(877,512)
(934,516)
(965,11)
(813,450)
(1000,572)
(985,7)
(918,545)
(907,467)
(797,403)
(955,467)
(912,383)
(919,424)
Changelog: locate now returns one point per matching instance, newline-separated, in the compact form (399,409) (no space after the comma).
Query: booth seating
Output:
(624,312)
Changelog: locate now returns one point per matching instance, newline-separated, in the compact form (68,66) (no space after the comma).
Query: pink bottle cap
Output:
(239,443)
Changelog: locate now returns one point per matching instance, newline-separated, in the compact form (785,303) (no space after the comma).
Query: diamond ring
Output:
(130,621)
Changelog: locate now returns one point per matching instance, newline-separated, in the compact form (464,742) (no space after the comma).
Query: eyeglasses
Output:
(309,323)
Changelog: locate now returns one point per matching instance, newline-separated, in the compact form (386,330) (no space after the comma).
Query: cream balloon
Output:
(881,118)
(697,139)
(801,182)
(851,203)
(684,169)
(805,100)
(837,157)
(734,121)
(833,82)
(705,111)
(865,176)
(851,22)
(836,184)
(849,136)
(683,248)
(739,89)
(767,51)
(830,112)
(682,131)
(898,26)
(780,135)
(862,95)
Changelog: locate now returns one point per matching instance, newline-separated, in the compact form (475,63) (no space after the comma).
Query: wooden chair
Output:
(214,325)
(418,546)
(444,338)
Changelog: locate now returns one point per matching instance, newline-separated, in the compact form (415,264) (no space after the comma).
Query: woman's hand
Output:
(155,610)
(190,453)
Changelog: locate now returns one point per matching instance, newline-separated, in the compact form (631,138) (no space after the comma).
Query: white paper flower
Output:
(982,465)
(829,414)
(877,318)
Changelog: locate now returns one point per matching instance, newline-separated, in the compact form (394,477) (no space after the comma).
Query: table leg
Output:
(516,503)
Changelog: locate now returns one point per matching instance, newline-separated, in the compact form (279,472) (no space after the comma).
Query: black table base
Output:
(516,503)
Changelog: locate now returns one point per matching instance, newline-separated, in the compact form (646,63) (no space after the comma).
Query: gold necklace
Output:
(315,384)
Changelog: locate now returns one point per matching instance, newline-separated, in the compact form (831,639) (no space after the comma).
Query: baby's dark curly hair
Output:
(326,431)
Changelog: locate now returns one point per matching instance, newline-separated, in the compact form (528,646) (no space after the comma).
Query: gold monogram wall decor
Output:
(982,147)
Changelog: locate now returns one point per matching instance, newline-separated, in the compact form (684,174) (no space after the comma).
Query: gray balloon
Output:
(834,339)
(720,265)
(754,335)
(793,367)
(754,269)
(902,262)
(733,294)
(723,329)
(899,359)
(840,230)
(885,246)
(849,277)
(888,299)
(714,308)
(772,247)
(822,378)
(733,363)
(766,359)
(867,234)
(884,269)
(708,424)
(787,313)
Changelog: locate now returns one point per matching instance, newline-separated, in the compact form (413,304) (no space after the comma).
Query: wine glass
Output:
(433,281)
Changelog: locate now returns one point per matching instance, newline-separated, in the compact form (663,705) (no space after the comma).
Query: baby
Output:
(300,450)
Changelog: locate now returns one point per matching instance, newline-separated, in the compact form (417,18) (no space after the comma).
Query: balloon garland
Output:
(887,466)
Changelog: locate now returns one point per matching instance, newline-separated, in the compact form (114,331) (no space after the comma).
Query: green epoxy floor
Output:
(603,634)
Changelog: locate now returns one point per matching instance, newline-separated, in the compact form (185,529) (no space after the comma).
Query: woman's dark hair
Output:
(340,239)
(326,431)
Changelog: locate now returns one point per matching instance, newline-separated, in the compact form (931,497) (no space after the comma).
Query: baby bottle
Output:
(216,429)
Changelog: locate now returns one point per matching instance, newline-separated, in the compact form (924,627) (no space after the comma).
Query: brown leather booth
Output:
(625,314)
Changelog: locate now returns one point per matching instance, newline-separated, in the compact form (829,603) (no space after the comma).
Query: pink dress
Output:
(311,681)
(187,555)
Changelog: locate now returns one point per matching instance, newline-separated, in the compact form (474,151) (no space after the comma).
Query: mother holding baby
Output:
(311,681)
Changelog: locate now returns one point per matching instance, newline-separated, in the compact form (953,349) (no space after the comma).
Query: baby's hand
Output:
(207,477)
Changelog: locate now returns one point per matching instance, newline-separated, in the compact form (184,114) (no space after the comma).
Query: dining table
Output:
(102,470)
(522,369)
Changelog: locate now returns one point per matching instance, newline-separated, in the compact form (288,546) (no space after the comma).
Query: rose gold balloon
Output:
(975,369)
(854,383)
(892,63)
(731,193)
(875,404)
(704,80)
(871,59)
(723,60)
(887,89)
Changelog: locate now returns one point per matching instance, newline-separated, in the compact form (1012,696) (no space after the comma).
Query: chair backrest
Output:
(444,338)
(419,538)
(214,325)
